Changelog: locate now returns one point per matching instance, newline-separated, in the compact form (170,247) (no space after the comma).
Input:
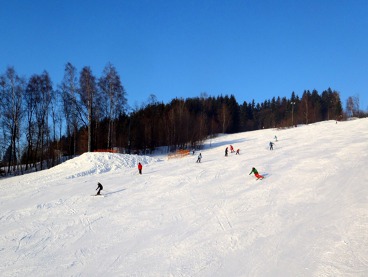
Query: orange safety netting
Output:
(179,154)
(106,150)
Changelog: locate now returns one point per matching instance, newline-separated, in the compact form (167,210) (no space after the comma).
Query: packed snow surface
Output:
(308,217)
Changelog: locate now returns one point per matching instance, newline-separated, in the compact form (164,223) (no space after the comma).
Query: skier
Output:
(99,188)
(140,168)
(232,149)
(199,158)
(276,138)
(226,150)
(256,173)
(237,152)
(271,145)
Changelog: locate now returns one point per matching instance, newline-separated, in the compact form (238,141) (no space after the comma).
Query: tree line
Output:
(40,123)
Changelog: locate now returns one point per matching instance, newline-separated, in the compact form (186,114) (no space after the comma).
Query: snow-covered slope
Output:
(308,217)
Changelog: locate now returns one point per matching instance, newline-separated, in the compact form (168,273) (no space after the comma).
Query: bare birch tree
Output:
(114,93)
(71,103)
(87,91)
(12,111)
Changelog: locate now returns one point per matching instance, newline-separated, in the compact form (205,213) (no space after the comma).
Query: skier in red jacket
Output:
(140,168)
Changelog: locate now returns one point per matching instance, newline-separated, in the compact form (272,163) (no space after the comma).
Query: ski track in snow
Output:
(308,217)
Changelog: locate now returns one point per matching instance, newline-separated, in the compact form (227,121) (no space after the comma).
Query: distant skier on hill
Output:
(199,158)
(231,149)
(271,145)
(254,170)
(226,151)
(140,168)
(237,152)
(99,188)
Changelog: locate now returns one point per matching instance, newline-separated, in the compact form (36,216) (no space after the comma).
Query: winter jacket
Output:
(253,171)
(99,186)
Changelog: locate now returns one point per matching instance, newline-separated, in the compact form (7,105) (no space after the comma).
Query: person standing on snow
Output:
(99,188)
(140,168)
(271,145)
(254,170)
(237,152)
(231,149)
(199,158)
(226,151)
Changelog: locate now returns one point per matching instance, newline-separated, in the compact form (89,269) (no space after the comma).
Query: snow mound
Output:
(100,163)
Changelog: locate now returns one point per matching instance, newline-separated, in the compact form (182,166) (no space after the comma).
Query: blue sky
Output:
(251,49)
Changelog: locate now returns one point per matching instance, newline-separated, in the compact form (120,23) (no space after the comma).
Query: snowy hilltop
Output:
(308,217)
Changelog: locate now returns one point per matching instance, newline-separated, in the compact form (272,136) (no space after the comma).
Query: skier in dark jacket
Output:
(258,176)
(99,188)
(226,151)
(271,145)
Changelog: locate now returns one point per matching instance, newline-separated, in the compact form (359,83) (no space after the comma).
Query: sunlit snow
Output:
(308,217)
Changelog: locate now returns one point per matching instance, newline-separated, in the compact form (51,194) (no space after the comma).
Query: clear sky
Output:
(251,49)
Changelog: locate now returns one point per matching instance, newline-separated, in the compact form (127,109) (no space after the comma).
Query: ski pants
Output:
(258,176)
